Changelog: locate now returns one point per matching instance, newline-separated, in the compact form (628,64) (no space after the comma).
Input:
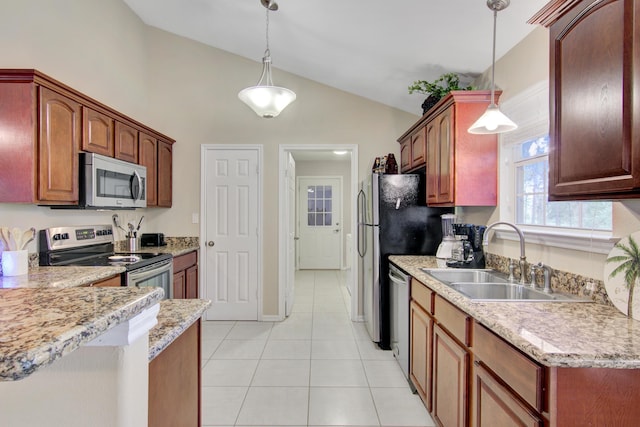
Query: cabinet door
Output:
(165,174)
(450,380)
(97,132)
(495,406)
(111,282)
(191,282)
(445,157)
(126,143)
(421,326)
(405,155)
(594,122)
(418,148)
(59,140)
(148,156)
(179,281)
(433,164)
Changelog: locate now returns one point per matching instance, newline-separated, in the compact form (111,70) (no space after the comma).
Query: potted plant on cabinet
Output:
(437,89)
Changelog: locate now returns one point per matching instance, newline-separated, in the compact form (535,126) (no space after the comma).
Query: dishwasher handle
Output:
(398,277)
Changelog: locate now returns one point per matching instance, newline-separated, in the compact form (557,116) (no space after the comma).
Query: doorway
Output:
(319,222)
(287,237)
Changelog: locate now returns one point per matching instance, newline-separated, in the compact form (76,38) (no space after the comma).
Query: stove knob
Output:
(57,236)
(65,236)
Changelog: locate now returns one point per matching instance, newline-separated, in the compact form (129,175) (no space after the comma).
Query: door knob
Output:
(211,243)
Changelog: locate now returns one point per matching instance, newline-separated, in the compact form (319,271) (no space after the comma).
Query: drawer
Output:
(452,319)
(422,295)
(520,373)
(185,261)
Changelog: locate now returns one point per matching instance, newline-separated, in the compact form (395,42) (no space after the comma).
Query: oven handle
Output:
(151,270)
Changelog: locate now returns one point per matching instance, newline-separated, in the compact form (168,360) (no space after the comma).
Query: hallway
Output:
(315,368)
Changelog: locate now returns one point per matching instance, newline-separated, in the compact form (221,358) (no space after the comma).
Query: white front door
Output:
(319,222)
(231,231)
(291,234)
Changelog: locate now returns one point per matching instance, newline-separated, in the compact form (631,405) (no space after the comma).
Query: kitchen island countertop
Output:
(555,334)
(59,277)
(40,325)
(176,315)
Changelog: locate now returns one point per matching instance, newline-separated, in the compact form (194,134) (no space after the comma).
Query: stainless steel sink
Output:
(451,275)
(490,285)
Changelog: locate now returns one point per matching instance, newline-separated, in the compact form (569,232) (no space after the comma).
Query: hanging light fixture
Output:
(264,98)
(493,120)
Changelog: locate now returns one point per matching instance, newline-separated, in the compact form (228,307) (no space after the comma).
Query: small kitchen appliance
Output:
(467,252)
(92,246)
(152,239)
(448,238)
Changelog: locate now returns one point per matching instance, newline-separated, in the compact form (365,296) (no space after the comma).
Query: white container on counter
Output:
(15,263)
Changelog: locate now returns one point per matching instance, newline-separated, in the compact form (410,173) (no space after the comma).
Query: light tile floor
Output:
(315,368)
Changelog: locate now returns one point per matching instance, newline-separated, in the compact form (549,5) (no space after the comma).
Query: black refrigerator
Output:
(393,219)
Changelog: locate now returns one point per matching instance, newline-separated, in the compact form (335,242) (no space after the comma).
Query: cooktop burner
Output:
(90,246)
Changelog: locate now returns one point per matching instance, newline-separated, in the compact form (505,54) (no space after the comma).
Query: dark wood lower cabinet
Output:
(174,382)
(496,406)
(450,380)
(185,276)
(421,327)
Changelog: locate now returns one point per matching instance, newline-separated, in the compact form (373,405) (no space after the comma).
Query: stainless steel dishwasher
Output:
(400,316)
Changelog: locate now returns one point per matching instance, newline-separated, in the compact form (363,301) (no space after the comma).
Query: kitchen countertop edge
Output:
(175,317)
(550,328)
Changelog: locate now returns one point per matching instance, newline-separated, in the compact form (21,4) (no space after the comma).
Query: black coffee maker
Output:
(469,253)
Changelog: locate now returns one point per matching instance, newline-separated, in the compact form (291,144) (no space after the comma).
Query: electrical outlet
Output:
(590,287)
(195,218)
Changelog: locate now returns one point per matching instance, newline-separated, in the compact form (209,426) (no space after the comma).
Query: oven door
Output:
(159,274)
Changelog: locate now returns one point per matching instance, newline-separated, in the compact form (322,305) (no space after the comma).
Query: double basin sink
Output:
(490,285)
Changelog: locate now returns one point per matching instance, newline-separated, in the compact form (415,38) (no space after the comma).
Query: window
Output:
(531,165)
(319,205)
(524,181)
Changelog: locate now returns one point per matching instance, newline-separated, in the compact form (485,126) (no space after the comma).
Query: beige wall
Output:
(523,66)
(189,92)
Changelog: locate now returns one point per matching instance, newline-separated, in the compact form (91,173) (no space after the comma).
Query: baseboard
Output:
(271,318)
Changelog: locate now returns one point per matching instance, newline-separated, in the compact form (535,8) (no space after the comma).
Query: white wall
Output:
(185,90)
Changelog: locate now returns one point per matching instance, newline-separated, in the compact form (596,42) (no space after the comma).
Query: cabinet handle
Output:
(211,243)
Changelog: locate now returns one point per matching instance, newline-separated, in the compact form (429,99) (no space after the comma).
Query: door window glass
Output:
(319,205)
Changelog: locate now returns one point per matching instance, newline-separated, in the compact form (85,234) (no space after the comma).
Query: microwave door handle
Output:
(136,185)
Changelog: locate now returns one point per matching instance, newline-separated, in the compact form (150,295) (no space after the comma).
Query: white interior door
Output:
(319,222)
(291,234)
(231,233)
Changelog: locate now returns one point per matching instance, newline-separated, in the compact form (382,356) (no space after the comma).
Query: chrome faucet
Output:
(523,258)
(547,272)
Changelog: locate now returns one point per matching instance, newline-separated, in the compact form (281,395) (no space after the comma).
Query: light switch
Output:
(195,218)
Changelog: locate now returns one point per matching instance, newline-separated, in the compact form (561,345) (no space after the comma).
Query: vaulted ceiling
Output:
(371,48)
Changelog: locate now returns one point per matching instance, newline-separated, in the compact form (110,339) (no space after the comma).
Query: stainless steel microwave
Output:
(106,183)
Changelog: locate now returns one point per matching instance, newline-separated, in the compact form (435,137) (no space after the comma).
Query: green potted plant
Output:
(437,89)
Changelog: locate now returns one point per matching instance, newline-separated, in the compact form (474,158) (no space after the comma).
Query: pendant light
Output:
(493,120)
(264,98)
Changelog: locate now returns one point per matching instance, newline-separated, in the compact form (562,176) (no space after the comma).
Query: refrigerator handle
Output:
(362,236)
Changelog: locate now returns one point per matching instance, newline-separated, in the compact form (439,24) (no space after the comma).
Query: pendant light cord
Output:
(493,60)
(268,52)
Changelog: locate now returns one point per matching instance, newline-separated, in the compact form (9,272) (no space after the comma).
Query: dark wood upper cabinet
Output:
(59,139)
(148,156)
(165,175)
(126,146)
(594,86)
(97,132)
(43,126)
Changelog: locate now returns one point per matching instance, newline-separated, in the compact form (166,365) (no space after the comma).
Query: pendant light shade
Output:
(264,98)
(493,120)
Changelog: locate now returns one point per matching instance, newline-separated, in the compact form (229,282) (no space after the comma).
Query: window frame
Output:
(530,110)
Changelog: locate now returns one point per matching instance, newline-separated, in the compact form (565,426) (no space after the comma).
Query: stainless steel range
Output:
(92,246)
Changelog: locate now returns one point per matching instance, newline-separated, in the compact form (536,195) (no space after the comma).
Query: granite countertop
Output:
(556,334)
(59,277)
(176,315)
(175,246)
(40,325)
